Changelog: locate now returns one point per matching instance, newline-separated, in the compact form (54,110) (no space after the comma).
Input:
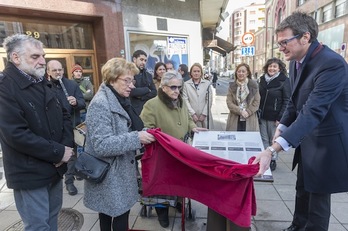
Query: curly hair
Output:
(282,66)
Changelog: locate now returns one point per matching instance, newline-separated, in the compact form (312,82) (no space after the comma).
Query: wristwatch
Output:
(274,152)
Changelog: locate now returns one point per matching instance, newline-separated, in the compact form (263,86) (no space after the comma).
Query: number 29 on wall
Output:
(34,34)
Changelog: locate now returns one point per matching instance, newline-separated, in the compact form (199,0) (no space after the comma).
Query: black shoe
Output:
(179,207)
(78,178)
(71,189)
(163,217)
(292,227)
(273,165)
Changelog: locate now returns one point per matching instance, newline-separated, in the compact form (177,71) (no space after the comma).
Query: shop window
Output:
(160,48)
(61,35)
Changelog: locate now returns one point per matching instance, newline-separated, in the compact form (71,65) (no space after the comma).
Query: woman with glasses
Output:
(197,94)
(169,112)
(114,133)
(159,70)
(274,88)
(243,101)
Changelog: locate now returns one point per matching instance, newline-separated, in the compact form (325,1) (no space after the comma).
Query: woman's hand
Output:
(195,118)
(145,137)
(198,129)
(245,114)
(202,117)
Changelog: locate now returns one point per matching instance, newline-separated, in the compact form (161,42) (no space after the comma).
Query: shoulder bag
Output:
(91,168)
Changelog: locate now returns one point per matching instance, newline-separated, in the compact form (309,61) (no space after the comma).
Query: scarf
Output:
(137,123)
(270,78)
(242,92)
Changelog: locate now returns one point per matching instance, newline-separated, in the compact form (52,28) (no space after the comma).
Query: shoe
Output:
(163,217)
(179,207)
(292,227)
(78,178)
(71,189)
(273,165)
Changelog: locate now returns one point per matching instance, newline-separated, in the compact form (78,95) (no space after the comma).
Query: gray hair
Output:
(15,43)
(169,76)
(300,23)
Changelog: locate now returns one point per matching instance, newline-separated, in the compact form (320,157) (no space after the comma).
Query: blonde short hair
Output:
(116,67)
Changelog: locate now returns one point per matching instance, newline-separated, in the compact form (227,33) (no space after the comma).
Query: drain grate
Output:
(68,220)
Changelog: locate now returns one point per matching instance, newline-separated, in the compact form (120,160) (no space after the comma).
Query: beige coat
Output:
(197,100)
(253,102)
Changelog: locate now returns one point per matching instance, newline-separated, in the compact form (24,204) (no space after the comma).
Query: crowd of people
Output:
(39,107)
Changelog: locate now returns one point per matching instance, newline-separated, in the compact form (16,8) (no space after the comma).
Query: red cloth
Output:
(172,167)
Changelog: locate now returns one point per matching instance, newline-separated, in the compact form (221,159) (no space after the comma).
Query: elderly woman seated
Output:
(169,112)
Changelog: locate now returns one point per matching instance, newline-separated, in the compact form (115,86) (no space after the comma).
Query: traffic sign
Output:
(248,51)
(248,38)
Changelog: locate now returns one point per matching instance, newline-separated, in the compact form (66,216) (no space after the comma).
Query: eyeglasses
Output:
(56,70)
(286,41)
(173,87)
(129,81)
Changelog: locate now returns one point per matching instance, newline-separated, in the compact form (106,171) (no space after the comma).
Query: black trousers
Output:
(312,210)
(119,223)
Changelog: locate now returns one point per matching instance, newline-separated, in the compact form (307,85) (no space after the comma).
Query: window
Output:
(253,12)
(326,13)
(252,22)
(300,2)
(341,8)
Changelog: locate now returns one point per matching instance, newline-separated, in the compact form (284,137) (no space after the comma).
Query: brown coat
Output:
(253,102)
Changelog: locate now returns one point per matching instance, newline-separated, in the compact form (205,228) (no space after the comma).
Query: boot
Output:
(163,217)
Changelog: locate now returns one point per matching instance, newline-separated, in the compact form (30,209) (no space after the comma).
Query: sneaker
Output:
(273,165)
(72,190)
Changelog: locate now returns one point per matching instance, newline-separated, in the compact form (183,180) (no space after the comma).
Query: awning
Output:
(216,43)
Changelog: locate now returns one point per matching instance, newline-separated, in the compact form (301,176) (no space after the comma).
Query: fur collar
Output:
(167,100)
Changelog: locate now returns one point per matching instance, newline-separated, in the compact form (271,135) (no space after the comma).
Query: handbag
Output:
(91,168)
(80,134)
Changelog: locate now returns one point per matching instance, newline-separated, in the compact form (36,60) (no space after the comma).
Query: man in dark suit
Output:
(144,89)
(314,122)
(35,134)
(70,95)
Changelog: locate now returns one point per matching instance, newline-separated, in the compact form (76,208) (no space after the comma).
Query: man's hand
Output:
(72,100)
(264,159)
(67,155)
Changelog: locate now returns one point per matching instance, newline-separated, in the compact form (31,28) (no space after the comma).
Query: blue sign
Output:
(248,51)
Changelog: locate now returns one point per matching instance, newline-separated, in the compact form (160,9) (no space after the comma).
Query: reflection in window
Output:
(51,34)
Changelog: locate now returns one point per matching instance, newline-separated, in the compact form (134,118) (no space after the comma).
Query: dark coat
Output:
(34,128)
(144,90)
(316,118)
(73,89)
(274,97)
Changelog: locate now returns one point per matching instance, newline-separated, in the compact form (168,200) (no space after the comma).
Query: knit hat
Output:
(76,67)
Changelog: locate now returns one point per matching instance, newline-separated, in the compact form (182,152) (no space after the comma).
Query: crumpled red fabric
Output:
(172,167)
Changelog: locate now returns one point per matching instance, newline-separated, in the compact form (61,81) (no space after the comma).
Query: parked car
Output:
(228,73)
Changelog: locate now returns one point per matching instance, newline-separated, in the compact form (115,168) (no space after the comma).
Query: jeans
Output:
(267,130)
(39,208)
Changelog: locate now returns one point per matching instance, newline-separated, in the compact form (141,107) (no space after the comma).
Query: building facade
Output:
(90,32)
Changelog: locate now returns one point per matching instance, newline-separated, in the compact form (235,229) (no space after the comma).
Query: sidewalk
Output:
(275,201)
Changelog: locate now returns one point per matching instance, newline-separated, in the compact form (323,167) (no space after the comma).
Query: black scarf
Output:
(137,123)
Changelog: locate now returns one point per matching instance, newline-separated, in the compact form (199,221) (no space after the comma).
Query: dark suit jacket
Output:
(144,90)
(34,128)
(316,117)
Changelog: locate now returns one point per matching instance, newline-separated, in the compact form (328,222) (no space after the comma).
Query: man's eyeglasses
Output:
(129,81)
(173,87)
(56,70)
(286,41)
